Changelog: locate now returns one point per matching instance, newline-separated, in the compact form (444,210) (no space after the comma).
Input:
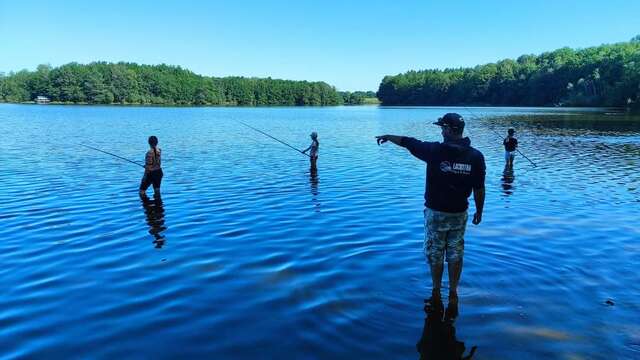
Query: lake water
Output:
(248,256)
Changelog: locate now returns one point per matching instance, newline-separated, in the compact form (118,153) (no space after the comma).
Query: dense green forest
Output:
(359,97)
(607,75)
(129,83)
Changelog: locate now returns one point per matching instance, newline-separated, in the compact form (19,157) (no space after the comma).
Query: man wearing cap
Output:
(454,170)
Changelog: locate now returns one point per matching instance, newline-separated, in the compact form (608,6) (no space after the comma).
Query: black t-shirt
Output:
(454,168)
(510,144)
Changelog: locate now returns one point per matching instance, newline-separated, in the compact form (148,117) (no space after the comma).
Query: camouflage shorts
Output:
(444,233)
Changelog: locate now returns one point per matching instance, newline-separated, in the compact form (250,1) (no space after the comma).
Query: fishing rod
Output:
(278,140)
(518,150)
(500,136)
(108,153)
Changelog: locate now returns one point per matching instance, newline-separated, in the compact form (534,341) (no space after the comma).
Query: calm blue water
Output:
(248,256)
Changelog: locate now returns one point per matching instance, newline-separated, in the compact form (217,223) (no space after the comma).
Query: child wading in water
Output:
(152,169)
(313,154)
(510,145)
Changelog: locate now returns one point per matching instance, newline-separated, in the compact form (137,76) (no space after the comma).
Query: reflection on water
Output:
(344,258)
(313,183)
(438,339)
(154,212)
(508,176)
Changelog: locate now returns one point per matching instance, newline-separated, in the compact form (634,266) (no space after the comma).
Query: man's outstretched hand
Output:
(396,139)
(382,139)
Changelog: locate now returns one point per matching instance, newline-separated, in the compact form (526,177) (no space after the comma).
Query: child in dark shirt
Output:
(510,145)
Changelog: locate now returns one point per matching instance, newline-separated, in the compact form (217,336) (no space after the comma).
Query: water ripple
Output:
(248,255)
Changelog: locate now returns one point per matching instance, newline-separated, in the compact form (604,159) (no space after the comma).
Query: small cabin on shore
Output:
(42,100)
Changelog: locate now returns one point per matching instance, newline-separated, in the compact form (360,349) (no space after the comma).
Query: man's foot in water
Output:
(452,308)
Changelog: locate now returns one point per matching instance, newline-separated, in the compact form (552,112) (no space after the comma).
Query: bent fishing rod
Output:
(108,153)
(500,136)
(278,140)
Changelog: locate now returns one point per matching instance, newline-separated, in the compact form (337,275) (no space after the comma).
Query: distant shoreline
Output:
(620,110)
(605,75)
(86,104)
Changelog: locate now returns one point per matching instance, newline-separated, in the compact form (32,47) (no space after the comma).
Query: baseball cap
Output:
(452,120)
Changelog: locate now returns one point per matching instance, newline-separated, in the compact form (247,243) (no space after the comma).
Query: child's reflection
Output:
(154,212)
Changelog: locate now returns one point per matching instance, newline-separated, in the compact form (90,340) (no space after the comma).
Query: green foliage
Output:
(607,75)
(14,88)
(130,83)
(358,97)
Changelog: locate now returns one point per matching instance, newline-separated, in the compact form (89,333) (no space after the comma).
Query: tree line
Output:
(130,83)
(358,97)
(606,75)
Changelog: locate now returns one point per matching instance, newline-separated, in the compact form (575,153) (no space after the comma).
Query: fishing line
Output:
(500,136)
(114,155)
(276,139)
(518,150)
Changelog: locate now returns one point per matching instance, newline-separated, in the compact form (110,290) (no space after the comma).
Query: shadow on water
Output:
(508,176)
(438,340)
(154,212)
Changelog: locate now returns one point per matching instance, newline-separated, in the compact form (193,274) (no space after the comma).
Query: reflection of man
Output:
(454,169)
(438,339)
(154,211)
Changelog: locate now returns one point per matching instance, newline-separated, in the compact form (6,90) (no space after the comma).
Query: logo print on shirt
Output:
(456,168)
(445,166)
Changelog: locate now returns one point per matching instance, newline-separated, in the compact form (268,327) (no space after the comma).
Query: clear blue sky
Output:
(349,44)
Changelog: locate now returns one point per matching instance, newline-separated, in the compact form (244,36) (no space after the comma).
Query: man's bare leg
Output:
(455,269)
(436,278)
